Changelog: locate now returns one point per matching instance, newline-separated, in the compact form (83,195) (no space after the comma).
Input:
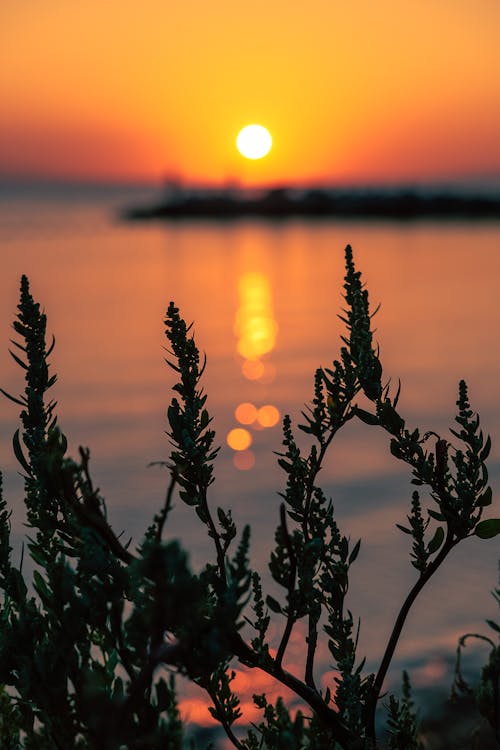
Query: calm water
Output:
(264,299)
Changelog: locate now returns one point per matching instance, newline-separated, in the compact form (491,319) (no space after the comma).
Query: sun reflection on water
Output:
(256,330)
(255,326)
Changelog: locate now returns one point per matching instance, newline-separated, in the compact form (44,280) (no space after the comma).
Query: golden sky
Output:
(352,92)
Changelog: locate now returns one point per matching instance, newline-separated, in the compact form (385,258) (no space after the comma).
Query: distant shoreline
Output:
(283,203)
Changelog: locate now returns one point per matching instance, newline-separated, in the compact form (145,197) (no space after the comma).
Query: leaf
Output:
(435,515)
(273,605)
(51,347)
(485,498)
(285,465)
(355,552)
(389,418)
(494,625)
(366,416)
(436,541)
(13,398)
(16,445)
(40,586)
(485,452)
(404,529)
(18,360)
(488,529)
(398,453)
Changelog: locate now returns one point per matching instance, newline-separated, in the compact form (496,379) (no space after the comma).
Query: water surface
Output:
(277,288)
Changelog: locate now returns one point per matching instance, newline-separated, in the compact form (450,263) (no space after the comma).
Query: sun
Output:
(254,142)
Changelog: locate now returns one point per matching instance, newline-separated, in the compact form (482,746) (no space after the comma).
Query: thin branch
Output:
(346,417)
(225,724)
(311,480)
(326,715)
(97,522)
(162,516)
(396,632)
(312,641)
(94,518)
(221,557)
(291,620)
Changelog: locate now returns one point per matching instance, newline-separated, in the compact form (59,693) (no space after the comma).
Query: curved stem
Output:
(396,633)
(326,715)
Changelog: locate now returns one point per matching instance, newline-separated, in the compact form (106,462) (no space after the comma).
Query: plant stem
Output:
(326,715)
(162,517)
(291,587)
(225,724)
(212,531)
(312,641)
(396,633)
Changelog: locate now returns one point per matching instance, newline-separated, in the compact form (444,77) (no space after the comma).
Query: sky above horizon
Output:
(365,92)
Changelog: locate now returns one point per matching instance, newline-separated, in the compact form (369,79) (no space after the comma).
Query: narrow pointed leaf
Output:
(485,452)
(437,516)
(404,529)
(436,541)
(18,452)
(355,552)
(13,398)
(18,360)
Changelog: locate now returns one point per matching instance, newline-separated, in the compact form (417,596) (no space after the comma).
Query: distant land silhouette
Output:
(317,203)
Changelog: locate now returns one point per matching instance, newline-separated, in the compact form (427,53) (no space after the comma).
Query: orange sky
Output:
(352,92)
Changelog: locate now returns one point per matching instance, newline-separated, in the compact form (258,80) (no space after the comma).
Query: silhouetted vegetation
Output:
(284,203)
(90,647)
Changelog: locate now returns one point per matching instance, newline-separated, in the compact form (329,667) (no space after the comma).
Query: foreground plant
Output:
(487,693)
(88,657)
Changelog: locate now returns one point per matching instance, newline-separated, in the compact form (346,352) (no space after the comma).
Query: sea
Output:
(264,299)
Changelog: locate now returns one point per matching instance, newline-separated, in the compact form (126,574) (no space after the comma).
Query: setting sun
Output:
(254,142)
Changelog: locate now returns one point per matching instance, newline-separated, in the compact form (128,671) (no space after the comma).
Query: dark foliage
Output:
(90,648)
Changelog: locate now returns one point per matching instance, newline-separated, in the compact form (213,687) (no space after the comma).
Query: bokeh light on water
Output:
(246,413)
(239,439)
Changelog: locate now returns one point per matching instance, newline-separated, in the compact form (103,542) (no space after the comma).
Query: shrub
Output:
(89,650)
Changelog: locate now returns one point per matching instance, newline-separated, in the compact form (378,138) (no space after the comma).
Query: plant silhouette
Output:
(90,648)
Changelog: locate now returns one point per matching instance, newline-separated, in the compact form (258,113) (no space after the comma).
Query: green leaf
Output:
(488,529)
(285,465)
(485,452)
(404,529)
(273,605)
(485,498)
(40,586)
(435,515)
(355,552)
(18,451)
(436,541)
